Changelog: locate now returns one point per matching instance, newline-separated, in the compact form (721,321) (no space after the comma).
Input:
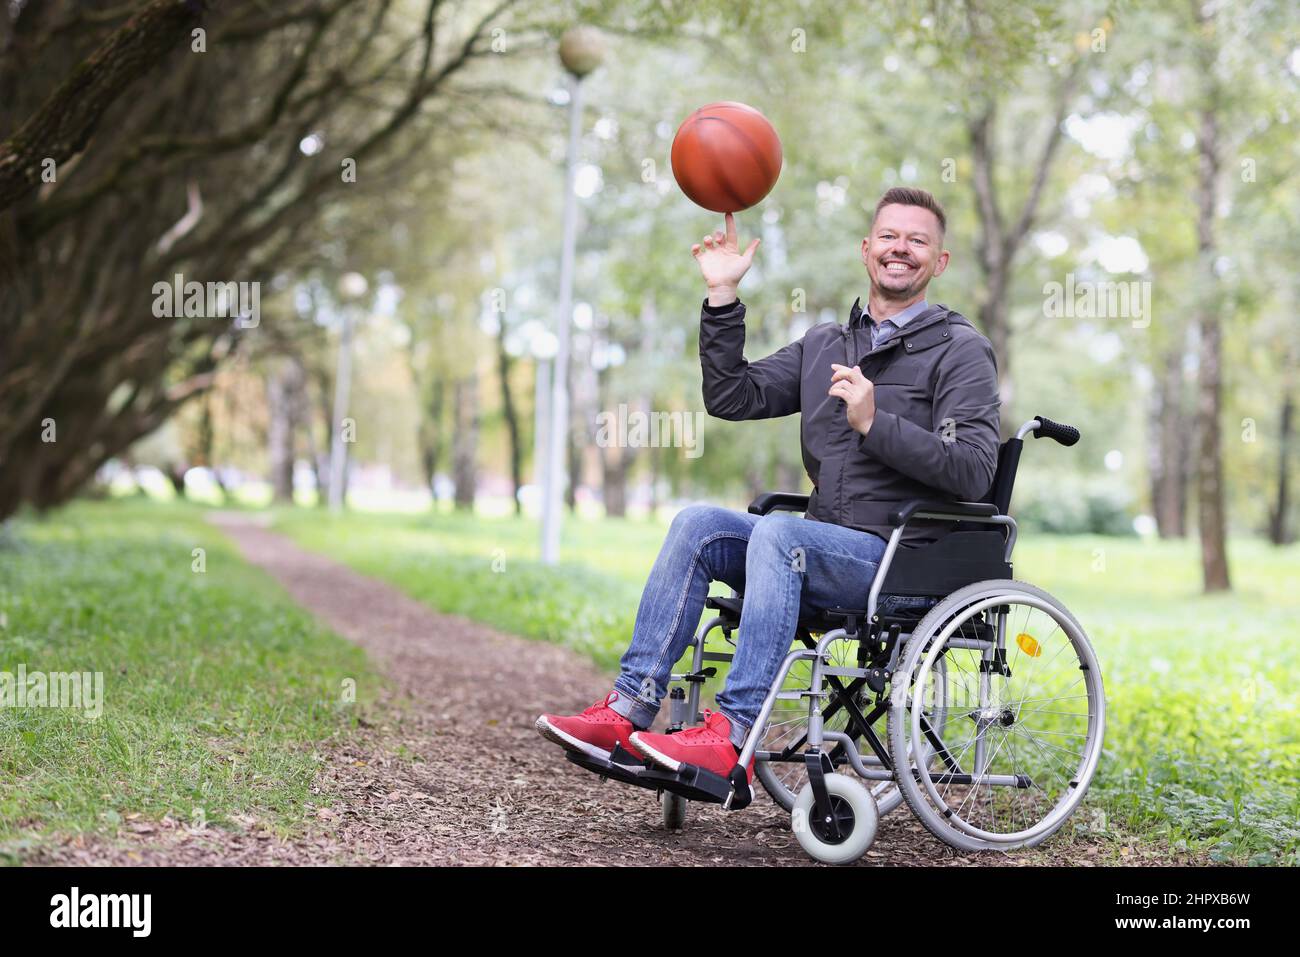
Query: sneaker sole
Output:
(671,764)
(567,741)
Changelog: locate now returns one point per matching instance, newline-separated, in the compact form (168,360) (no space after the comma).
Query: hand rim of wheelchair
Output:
(918,790)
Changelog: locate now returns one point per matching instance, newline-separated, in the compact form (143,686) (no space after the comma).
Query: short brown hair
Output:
(910,196)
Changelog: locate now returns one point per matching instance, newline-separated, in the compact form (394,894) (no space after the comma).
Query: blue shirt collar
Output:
(902,318)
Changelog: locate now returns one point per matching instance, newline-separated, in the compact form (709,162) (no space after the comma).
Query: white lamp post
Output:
(581,51)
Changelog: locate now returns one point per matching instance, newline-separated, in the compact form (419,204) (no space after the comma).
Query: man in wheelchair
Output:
(899,405)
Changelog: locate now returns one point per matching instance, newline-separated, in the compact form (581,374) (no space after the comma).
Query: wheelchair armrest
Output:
(778,502)
(904,512)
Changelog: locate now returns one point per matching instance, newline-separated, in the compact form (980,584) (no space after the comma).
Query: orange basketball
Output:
(726,157)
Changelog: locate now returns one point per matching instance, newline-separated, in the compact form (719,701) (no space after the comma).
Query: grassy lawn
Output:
(217,689)
(1202,746)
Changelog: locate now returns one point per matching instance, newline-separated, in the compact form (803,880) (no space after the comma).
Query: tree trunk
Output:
(301,400)
(1278,531)
(281,399)
(616,457)
(325,407)
(465,442)
(1168,456)
(1002,236)
(582,396)
(205,453)
(614,469)
(431,437)
(653,456)
(176,475)
(511,414)
(994,248)
(1209,400)
(575,469)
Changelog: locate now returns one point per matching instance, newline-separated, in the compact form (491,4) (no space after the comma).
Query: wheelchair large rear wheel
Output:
(786,734)
(1025,716)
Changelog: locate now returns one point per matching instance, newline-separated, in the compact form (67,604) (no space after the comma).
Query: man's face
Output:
(904,251)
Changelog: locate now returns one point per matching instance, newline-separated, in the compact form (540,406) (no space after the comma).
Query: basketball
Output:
(726,157)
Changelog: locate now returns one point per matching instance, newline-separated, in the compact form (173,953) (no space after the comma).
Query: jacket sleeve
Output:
(736,389)
(959,454)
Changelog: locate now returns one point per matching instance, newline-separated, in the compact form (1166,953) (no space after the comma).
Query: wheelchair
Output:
(973,698)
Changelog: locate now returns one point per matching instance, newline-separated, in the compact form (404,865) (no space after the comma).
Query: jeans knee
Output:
(695,523)
(776,535)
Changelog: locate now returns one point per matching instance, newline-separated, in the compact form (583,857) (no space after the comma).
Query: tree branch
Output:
(63,125)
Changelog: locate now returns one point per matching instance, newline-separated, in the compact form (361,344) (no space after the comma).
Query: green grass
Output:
(217,688)
(1204,714)
(487,569)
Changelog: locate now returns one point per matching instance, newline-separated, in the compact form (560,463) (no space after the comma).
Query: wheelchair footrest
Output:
(691,782)
(626,769)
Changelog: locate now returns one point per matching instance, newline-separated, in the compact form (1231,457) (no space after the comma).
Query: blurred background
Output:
(1123,194)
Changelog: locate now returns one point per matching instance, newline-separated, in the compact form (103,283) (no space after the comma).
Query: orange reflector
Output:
(1028,645)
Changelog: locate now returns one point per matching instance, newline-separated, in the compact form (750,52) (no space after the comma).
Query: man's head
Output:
(904,249)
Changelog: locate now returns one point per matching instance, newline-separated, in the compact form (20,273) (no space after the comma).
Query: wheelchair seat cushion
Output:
(902,607)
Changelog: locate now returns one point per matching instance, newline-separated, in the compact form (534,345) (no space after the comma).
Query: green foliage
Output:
(216,687)
(1070,504)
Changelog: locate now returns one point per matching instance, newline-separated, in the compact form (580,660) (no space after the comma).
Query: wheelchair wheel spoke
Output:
(1032,737)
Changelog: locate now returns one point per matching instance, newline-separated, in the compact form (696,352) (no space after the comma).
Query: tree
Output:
(210,155)
(1211,514)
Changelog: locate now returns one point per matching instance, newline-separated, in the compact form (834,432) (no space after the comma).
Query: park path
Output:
(450,770)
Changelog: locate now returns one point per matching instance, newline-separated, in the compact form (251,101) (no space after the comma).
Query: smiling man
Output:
(899,404)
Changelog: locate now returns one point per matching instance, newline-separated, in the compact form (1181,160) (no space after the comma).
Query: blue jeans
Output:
(778,561)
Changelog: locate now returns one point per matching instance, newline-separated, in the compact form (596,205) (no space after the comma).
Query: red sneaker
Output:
(594,732)
(707,747)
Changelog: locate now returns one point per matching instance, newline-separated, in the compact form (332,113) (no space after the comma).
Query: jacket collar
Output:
(900,320)
(928,329)
(858,315)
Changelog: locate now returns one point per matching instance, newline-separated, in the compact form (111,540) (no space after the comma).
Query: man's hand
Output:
(859,395)
(722,262)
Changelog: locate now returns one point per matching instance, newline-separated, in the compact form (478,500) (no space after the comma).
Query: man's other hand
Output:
(859,395)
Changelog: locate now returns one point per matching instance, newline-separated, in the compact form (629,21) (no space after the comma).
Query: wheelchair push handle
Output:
(1047,429)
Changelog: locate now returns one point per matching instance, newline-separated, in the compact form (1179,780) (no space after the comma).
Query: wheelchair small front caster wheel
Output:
(674,810)
(847,837)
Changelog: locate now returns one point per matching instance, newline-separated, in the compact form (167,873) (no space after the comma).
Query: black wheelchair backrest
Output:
(1004,479)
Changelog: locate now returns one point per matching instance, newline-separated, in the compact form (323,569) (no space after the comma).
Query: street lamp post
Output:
(581,51)
(352,287)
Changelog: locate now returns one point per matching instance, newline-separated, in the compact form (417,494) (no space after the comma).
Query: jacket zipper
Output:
(850,359)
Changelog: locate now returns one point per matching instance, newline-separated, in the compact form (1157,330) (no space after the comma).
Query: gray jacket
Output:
(935,435)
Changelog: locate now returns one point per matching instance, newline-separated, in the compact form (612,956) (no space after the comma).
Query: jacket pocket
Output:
(900,377)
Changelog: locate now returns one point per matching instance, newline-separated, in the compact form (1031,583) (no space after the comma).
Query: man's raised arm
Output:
(737,389)
(733,387)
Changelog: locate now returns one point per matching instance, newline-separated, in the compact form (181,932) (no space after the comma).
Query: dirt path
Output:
(455,773)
